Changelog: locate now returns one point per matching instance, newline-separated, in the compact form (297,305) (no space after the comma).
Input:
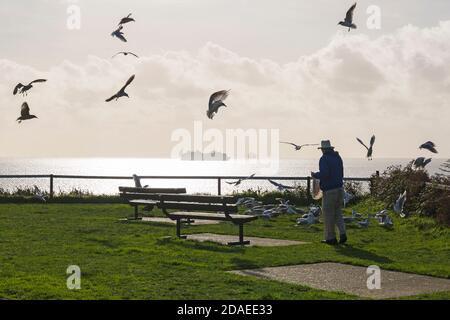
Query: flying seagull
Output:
(121,92)
(280,187)
(299,147)
(238,182)
(125,54)
(348,22)
(126,20)
(399,205)
(421,162)
(119,34)
(216,101)
(25,113)
(20,88)
(430,146)
(370,148)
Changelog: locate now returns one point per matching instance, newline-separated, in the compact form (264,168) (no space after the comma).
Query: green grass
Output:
(135,260)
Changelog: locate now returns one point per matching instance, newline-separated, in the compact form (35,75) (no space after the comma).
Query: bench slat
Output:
(152,190)
(198,198)
(210,216)
(189,206)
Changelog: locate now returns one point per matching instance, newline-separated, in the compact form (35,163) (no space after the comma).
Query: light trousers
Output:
(332,203)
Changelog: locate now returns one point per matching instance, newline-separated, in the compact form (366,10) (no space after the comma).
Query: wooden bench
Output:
(145,196)
(218,208)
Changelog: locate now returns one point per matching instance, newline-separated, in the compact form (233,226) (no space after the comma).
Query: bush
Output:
(298,196)
(425,194)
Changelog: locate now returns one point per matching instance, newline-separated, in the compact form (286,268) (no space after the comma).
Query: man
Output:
(331,176)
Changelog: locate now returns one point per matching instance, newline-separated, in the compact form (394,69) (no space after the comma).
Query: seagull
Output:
(430,146)
(216,101)
(308,219)
(316,211)
(137,182)
(238,182)
(25,113)
(355,214)
(386,221)
(348,22)
(125,53)
(347,198)
(399,205)
(299,147)
(121,92)
(365,223)
(126,20)
(381,215)
(369,149)
(119,34)
(281,187)
(39,195)
(421,162)
(20,88)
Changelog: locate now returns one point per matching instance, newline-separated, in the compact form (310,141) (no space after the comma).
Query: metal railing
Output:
(53,177)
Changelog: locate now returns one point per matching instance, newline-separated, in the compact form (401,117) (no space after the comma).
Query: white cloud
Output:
(396,86)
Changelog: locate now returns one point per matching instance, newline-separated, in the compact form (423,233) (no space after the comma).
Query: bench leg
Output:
(179,230)
(136,212)
(241,237)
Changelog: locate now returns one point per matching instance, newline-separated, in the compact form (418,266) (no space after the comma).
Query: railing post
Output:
(51,186)
(219,186)
(308,188)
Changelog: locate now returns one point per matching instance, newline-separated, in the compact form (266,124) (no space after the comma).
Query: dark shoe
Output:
(343,239)
(330,242)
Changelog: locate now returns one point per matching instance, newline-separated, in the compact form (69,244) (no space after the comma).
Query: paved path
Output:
(224,239)
(352,280)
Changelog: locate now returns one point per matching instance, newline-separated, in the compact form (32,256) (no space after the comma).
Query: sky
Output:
(289,66)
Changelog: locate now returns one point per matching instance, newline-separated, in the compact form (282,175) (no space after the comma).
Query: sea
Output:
(170,167)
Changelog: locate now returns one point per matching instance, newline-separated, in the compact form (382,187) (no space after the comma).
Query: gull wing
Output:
(292,144)
(128,83)
(112,98)
(218,96)
(372,141)
(349,15)
(38,80)
(360,141)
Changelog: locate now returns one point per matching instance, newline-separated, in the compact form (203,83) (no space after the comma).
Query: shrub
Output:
(425,195)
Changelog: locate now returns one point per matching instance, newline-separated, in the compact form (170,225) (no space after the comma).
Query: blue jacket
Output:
(331,172)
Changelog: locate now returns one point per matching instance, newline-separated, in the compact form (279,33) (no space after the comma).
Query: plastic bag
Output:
(316,192)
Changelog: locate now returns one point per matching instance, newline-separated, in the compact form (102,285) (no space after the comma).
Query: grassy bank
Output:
(130,260)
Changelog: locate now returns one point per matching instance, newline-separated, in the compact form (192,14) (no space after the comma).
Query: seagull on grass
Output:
(421,162)
(119,34)
(430,146)
(216,101)
(126,20)
(370,148)
(399,205)
(238,182)
(39,195)
(25,113)
(348,22)
(23,89)
(125,53)
(299,147)
(121,92)
(137,182)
